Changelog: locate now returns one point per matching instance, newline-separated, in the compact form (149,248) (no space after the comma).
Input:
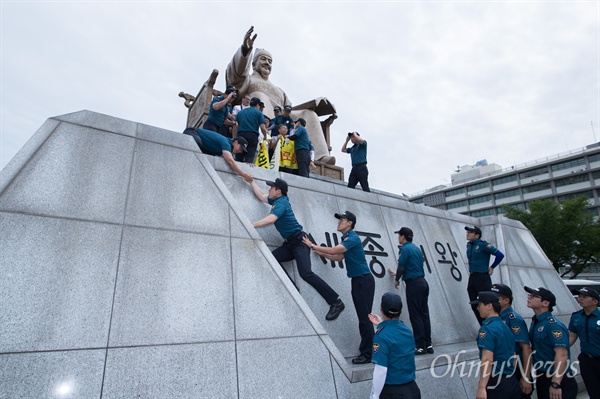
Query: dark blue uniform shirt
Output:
(356,263)
(394,348)
(545,335)
(249,120)
(218,116)
(286,223)
(214,143)
(517,325)
(358,153)
(301,140)
(588,330)
(478,253)
(496,337)
(411,257)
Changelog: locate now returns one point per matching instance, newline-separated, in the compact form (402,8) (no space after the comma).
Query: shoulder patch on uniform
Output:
(375,348)
(516,329)
(557,334)
(344,239)
(481,334)
(512,316)
(272,206)
(551,319)
(488,246)
(541,328)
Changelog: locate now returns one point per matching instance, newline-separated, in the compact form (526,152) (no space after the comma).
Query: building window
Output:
(479,200)
(533,172)
(506,194)
(483,212)
(596,175)
(591,211)
(536,187)
(478,186)
(500,209)
(589,194)
(594,158)
(458,204)
(503,180)
(456,191)
(571,180)
(568,164)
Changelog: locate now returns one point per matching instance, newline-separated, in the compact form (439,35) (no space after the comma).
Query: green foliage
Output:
(565,232)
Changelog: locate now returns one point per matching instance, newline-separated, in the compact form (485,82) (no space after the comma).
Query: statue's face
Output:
(263,65)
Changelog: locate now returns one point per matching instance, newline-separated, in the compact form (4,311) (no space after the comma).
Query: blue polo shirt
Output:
(283,120)
(394,348)
(517,325)
(496,337)
(218,116)
(301,140)
(214,143)
(588,330)
(356,263)
(358,153)
(545,334)
(286,223)
(249,120)
(478,253)
(411,257)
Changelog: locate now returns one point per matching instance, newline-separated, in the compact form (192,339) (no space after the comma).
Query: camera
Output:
(234,95)
(350,134)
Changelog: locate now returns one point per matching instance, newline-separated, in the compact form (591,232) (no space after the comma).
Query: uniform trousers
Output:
(208,125)
(519,376)
(503,387)
(294,249)
(590,372)
(417,296)
(478,282)
(410,390)
(363,291)
(543,381)
(303,159)
(359,174)
(252,139)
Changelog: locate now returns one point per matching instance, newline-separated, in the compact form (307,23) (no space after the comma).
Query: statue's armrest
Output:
(198,111)
(321,106)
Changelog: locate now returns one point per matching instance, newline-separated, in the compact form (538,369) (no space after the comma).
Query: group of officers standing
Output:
(513,357)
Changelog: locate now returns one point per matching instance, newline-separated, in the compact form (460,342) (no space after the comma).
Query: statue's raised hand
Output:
(248,41)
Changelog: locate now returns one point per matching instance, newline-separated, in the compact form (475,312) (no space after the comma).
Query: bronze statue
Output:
(257,84)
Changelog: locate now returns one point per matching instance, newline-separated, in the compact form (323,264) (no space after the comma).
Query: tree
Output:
(565,232)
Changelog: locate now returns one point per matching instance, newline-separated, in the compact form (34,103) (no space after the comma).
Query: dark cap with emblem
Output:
(473,229)
(229,89)
(242,142)
(592,293)
(287,108)
(301,120)
(391,304)
(486,297)
(280,184)
(405,231)
(545,294)
(254,101)
(277,108)
(346,215)
(503,290)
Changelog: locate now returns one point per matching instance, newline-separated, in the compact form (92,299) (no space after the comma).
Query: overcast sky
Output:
(429,85)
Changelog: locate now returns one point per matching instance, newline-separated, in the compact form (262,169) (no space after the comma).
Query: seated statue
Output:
(258,85)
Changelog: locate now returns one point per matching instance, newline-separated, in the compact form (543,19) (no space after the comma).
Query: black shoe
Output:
(335,309)
(429,349)
(361,359)
(420,351)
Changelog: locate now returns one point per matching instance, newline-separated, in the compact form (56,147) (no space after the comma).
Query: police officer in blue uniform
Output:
(302,146)
(517,325)
(219,113)
(358,156)
(363,283)
(496,344)
(410,269)
(478,253)
(585,325)
(393,353)
(550,344)
(249,121)
(212,143)
(282,216)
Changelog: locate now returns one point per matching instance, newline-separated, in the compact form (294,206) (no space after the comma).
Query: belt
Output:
(359,164)
(413,279)
(294,235)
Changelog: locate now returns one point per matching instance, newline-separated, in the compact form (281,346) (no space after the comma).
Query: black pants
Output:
(363,291)
(478,282)
(542,385)
(303,158)
(294,248)
(208,125)
(503,387)
(590,372)
(409,390)
(359,174)
(252,139)
(417,296)
(519,376)
(190,131)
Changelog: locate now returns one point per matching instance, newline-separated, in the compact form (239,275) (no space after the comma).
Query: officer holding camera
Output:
(358,154)
(219,114)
